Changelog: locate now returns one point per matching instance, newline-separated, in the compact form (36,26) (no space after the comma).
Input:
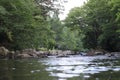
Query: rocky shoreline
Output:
(32,53)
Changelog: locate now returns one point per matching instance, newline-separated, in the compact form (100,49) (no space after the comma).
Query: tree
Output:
(22,24)
(98,21)
(25,23)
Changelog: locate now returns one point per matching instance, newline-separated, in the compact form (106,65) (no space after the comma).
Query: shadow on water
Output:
(28,69)
(52,68)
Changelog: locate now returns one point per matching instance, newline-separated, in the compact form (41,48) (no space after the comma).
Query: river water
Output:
(66,68)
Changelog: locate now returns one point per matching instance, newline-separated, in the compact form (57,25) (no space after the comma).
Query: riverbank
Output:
(32,53)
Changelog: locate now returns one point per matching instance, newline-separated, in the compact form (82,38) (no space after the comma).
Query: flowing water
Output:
(70,68)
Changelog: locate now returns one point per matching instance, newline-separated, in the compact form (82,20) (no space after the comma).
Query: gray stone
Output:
(3,52)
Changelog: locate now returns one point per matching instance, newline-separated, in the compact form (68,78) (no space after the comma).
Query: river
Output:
(66,68)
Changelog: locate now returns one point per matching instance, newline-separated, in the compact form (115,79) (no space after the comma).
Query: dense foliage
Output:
(99,22)
(23,25)
(35,24)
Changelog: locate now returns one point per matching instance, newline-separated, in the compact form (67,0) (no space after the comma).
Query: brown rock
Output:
(23,56)
(3,52)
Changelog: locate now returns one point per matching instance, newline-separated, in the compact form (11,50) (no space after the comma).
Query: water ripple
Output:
(64,68)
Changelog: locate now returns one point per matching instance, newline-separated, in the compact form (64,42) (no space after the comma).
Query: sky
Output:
(69,5)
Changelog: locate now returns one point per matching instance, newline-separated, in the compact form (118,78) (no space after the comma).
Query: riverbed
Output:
(63,68)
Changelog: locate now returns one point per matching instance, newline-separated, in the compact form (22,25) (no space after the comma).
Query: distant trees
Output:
(64,37)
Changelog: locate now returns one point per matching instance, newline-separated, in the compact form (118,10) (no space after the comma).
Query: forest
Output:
(35,24)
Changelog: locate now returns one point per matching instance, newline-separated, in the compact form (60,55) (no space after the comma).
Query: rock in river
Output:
(3,52)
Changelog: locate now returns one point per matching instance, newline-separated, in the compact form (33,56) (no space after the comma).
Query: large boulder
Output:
(55,52)
(28,53)
(32,53)
(60,52)
(42,54)
(68,52)
(3,52)
(23,56)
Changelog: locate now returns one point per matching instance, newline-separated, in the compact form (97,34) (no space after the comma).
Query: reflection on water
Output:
(52,68)
(23,70)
